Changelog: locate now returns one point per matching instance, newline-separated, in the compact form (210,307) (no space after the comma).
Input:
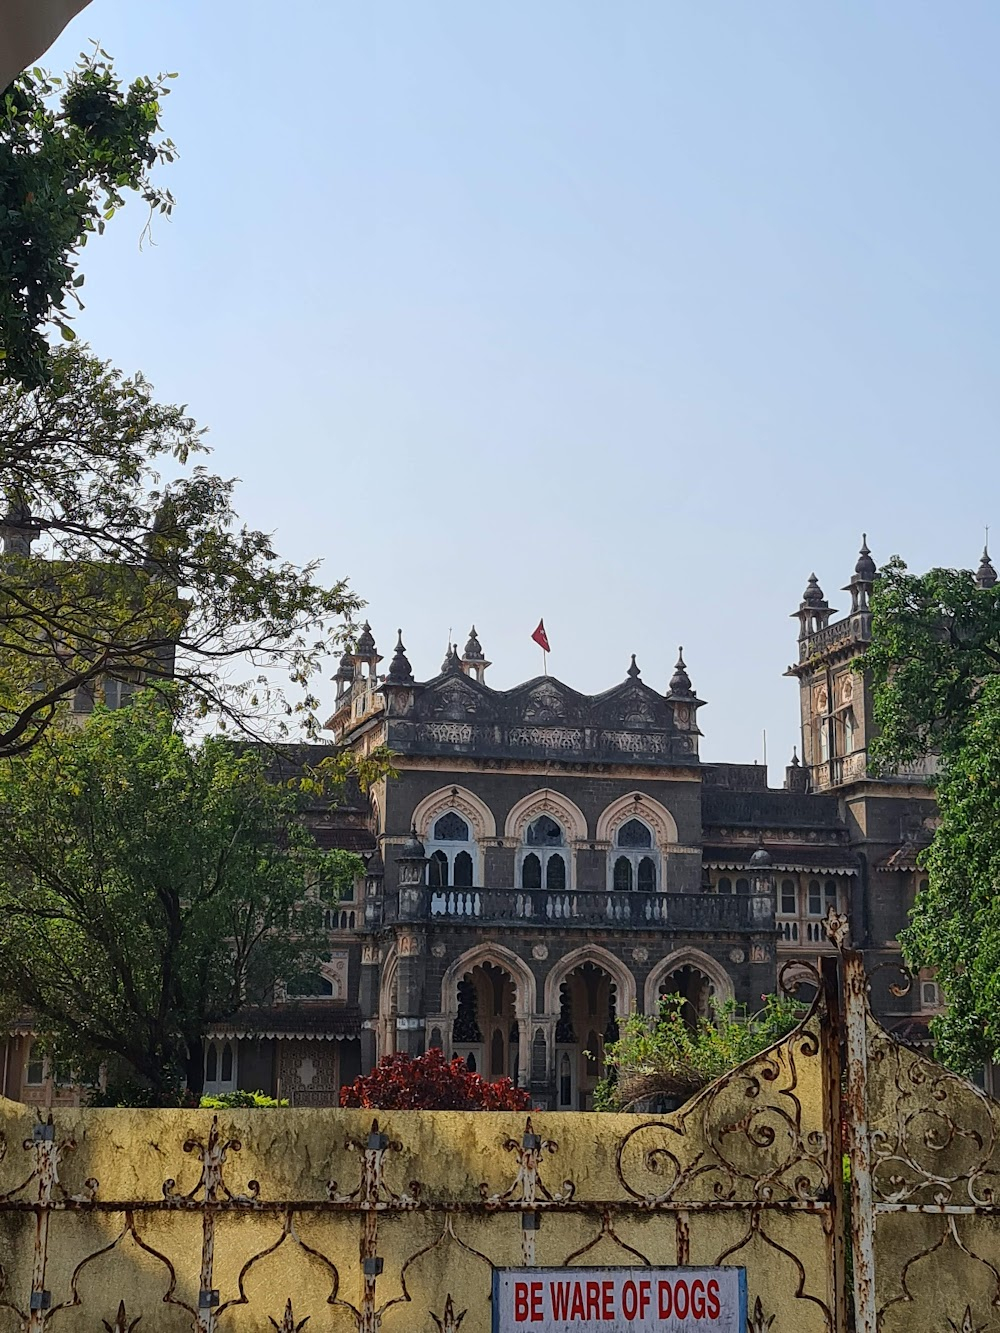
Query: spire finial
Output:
(986,575)
(400,671)
(680,681)
(633,670)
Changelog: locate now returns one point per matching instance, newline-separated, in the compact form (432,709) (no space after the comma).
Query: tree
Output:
(429,1082)
(935,670)
(68,152)
(666,1057)
(137,579)
(149,887)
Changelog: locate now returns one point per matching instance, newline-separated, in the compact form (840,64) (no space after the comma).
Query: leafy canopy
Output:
(429,1082)
(667,1056)
(935,671)
(133,577)
(149,888)
(69,151)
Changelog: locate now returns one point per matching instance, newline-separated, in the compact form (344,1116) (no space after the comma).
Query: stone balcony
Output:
(848,768)
(704,913)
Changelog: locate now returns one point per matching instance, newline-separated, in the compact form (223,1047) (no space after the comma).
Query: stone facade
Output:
(545,861)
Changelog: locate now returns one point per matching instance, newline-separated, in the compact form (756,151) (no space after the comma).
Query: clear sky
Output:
(628,315)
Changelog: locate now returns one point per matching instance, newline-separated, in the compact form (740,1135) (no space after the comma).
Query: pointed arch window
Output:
(452,853)
(634,862)
(544,857)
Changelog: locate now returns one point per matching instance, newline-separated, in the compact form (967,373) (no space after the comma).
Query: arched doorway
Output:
(695,989)
(588,1020)
(485,1031)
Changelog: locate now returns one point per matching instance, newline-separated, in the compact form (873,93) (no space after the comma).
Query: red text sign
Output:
(619,1300)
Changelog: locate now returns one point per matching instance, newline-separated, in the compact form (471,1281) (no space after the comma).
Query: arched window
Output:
(220,1066)
(634,860)
(453,857)
(725,885)
(743,886)
(789,898)
(437,871)
(463,871)
(634,834)
(544,856)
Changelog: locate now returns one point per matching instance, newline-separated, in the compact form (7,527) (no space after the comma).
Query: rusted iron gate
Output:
(260,1220)
(924,1152)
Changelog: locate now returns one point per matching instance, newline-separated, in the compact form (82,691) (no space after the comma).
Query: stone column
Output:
(368,999)
(410,946)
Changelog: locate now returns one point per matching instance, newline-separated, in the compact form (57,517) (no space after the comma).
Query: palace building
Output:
(546,861)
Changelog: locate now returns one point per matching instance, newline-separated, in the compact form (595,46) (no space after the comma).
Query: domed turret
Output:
(473,661)
(680,681)
(863,578)
(365,653)
(986,575)
(400,671)
(814,610)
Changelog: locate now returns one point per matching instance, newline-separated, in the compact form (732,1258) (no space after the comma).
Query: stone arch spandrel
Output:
(546,802)
(602,958)
(710,967)
(636,805)
(481,821)
(520,973)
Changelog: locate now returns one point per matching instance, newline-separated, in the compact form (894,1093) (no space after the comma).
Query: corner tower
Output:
(834,698)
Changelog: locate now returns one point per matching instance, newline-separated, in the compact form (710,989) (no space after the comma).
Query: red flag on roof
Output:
(540,637)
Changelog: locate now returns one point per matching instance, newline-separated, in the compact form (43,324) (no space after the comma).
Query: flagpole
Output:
(545,662)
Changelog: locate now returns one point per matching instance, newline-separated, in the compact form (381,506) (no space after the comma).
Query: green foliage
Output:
(69,151)
(663,1056)
(148,888)
(227,1101)
(134,578)
(935,669)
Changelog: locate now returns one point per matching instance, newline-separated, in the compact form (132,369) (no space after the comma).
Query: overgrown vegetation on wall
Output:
(664,1059)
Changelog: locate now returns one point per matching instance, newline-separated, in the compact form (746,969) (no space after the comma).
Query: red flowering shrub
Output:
(429,1082)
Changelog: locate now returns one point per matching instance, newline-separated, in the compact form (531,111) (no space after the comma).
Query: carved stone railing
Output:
(546,907)
(854,768)
(849,632)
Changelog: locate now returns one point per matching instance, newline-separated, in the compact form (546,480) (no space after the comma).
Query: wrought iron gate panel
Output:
(925,1155)
(393,1223)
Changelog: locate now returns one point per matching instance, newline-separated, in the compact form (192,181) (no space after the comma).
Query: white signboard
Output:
(619,1300)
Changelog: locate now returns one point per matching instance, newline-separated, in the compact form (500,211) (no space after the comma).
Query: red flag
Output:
(540,637)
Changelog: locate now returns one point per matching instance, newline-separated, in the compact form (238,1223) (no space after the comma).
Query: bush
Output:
(664,1058)
(229,1101)
(429,1082)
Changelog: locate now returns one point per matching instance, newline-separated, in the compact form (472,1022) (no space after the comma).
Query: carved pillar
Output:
(410,947)
(368,999)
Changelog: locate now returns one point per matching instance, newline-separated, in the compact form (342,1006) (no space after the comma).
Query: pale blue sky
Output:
(626,314)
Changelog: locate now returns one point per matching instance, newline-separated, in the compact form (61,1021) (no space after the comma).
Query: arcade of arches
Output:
(488,1025)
